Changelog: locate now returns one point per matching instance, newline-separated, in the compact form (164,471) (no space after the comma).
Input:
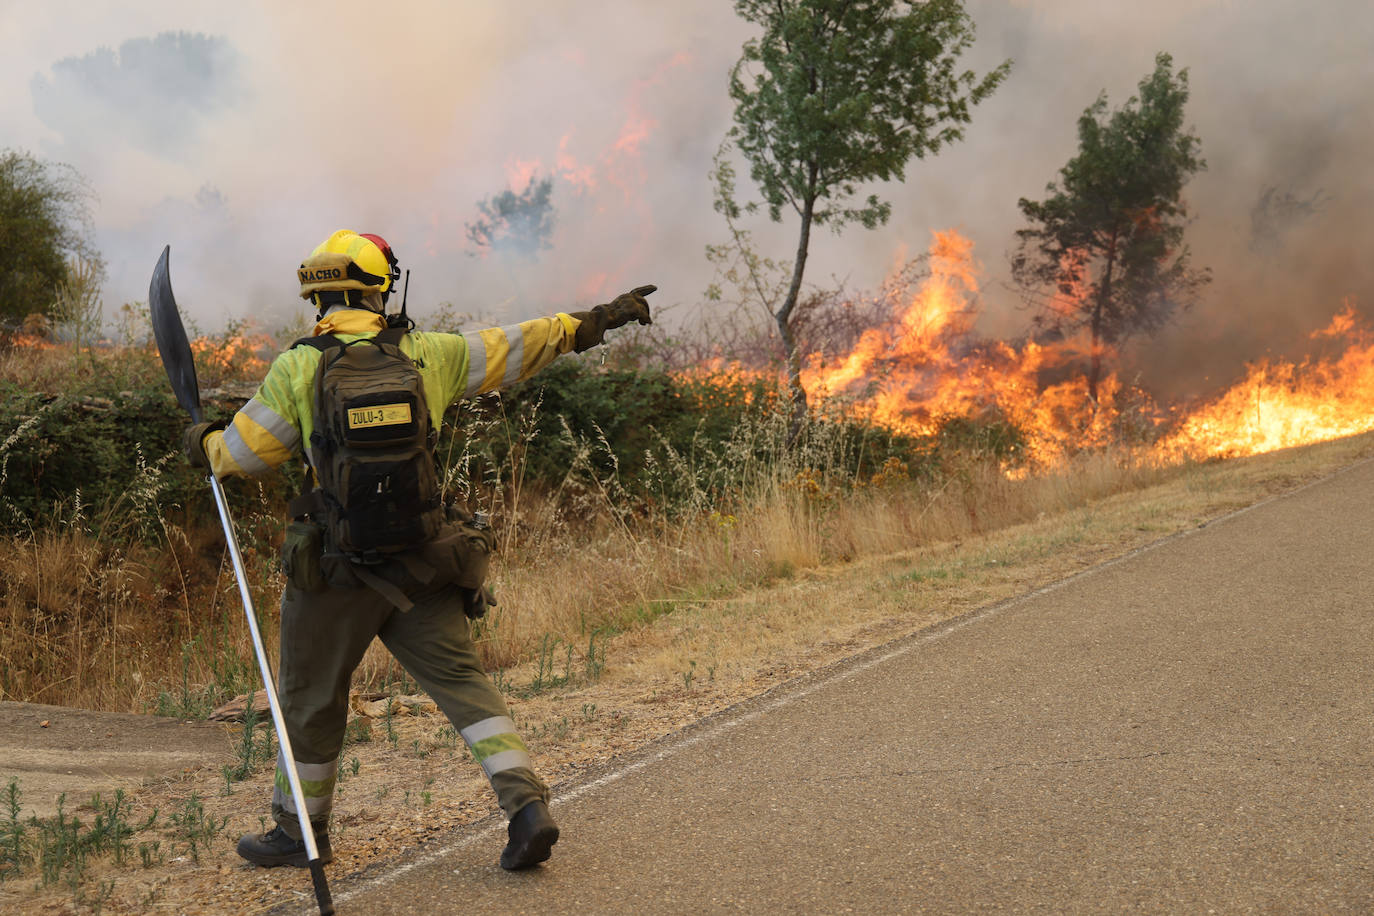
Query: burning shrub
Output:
(989,437)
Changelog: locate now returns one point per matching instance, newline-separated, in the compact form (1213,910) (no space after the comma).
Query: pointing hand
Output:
(621,310)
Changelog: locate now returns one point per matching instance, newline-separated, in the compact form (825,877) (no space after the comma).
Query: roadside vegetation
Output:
(615,493)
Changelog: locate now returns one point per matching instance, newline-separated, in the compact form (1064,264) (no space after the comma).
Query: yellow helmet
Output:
(346,261)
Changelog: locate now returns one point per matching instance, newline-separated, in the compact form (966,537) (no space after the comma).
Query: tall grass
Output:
(792,516)
(114,606)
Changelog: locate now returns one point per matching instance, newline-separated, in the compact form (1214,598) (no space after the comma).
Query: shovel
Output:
(181,371)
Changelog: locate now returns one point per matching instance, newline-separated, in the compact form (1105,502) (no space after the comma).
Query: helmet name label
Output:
(319,274)
(378,415)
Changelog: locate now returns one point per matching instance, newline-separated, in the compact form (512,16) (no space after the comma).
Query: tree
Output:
(1108,240)
(44,225)
(77,306)
(517,223)
(836,93)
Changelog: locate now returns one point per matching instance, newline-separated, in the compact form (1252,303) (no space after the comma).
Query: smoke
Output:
(154,93)
(246,133)
(1281,216)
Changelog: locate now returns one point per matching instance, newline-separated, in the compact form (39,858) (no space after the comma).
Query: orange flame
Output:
(1283,404)
(31,342)
(926,366)
(243,354)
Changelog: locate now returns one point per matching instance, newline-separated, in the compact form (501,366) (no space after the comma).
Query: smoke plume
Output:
(246,133)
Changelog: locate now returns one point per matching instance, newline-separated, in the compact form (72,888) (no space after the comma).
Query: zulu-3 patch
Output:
(379,415)
(378,418)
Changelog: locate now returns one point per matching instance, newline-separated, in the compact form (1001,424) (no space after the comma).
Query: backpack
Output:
(372,449)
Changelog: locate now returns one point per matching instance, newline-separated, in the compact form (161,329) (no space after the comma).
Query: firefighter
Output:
(330,613)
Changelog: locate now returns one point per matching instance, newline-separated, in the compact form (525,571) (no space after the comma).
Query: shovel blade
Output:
(172,344)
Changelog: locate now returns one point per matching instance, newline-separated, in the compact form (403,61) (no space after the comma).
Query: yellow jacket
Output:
(270,428)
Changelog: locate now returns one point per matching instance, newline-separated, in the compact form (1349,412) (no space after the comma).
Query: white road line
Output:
(789,692)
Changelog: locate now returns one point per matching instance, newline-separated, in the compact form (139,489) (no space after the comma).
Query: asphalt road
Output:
(1187,730)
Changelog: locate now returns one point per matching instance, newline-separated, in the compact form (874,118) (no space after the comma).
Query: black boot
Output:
(277,847)
(532,834)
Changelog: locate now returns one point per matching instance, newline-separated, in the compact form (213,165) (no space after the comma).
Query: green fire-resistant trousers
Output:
(323,637)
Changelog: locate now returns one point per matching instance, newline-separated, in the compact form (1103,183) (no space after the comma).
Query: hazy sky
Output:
(266,126)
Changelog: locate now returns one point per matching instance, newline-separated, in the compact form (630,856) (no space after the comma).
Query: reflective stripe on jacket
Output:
(270,428)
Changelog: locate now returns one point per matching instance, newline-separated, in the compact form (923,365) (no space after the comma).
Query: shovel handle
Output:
(177,359)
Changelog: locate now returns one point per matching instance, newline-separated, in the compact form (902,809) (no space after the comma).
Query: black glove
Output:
(623,309)
(193,442)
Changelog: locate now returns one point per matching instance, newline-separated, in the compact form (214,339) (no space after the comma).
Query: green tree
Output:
(44,227)
(834,94)
(1105,249)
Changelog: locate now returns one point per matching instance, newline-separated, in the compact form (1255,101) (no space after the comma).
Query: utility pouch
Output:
(300,555)
(336,569)
(461,554)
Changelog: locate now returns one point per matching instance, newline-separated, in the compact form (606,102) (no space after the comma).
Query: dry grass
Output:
(569,588)
(91,623)
(819,615)
(157,626)
(124,606)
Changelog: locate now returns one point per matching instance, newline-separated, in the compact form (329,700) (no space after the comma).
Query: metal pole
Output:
(177,359)
(284,742)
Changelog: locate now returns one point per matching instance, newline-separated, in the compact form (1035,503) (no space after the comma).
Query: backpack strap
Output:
(321,342)
(387,590)
(311,498)
(391,336)
(309,502)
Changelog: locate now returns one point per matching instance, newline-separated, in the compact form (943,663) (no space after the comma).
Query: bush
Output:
(44,217)
(632,410)
(83,449)
(650,438)
(653,437)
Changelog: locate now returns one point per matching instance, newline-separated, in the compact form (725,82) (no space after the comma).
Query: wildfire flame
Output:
(31,342)
(926,365)
(248,354)
(1283,404)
